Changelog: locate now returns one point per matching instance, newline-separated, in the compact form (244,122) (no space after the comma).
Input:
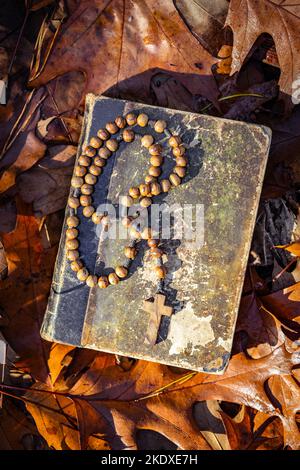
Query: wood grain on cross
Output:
(157,309)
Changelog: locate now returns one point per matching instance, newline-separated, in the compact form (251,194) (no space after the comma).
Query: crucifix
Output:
(157,309)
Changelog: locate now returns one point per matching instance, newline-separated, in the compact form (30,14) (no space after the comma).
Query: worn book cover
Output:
(217,203)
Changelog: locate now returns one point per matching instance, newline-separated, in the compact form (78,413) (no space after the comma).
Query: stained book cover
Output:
(205,261)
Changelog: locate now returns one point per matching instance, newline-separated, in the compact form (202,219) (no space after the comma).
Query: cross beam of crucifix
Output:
(157,309)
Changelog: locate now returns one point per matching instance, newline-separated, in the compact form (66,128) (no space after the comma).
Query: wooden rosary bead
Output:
(72,221)
(72,244)
(179,151)
(134,192)
(146,201)
(88,211)
(96,218)
(130,252)
(155,189)
(85,200)
(160,272)
(160,126)
(103,282)
(80,170)
(180,171)
(76,182)
(103,134)
(181,161)
(155,149)
(71,233)
(126,221)
(99,161)
(73,202)
(104,152)
(156,252)
(120,122)
(113,279)
(154,171)
(147,141)
(146,233)
(112,145)
(112,127)
(126,201)
(150,179)
(95,170)
(72,255)
(142,120)
(83,160)
(121,271)
(128,135)
(82,274)
(165,186)
(95,142)
(90,179)
(130,119)
(174,179)
(174,141)
(156,160)
(152,243)
(87,189)
(90,151)
(91,280)
(76,265)
(145,189)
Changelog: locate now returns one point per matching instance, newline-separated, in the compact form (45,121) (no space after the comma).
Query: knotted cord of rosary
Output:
(90,166)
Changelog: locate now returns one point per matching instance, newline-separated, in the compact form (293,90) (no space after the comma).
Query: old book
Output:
(219,198)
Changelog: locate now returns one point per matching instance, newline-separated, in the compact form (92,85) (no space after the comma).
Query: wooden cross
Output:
(157,309)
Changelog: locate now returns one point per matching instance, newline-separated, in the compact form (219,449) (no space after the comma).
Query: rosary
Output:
(89,168)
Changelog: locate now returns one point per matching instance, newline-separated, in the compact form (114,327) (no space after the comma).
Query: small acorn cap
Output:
(155,149)
(95,170)
(80,170)
(112,145)
(154,171)
(71,233)
(83,160)
(128,135)
(142,120)
(120,122)
(130,119)
(91,280)
(90,179)
(76,182)
(103,134)
(179,151)
(160,126)
(72,244)
(174,141)
(113,279)
(72,221)
(73,202)
(112,127)
(76,265)
(145,189)
(147,140)
(134,192)
(88,211)
(87,189)
(121,271)
(96,142)
(85,200)
(82,274)
(90,151)
(103,282)
(104,152)
(72,255)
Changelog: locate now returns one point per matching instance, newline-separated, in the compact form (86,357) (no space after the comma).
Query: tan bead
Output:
(150,179)
(121,271)
(85,200)
(154,171)
(103,282)
(126,221)
(87,189)
(83,160)
(147,141)
(72,255)
(152,243)
(76,182)
(113,279)
(160,126)
(180,171)
(130,252)
(73,202)
(104,153)
(155,189)
(126,201)
(156,160)
(160,272)
(134,192)
(156,252)
(90,151)
(82,274)
(146,201)
(174,179)
(155,149)
(179,151)
(181,161)
(146,233)
(128,135)
(142,120)
(112,145)
(80,170)
(96,218)
(72,221)
(130,119)
(145,189)
(88,211)
(174,141)
(95,142)
(91,280)
(95,170)
(103,134)
(112,127)
(90,179)
(72,244)
(120,122)
(165,186)
(76,265)
(99,161)
(71,233)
